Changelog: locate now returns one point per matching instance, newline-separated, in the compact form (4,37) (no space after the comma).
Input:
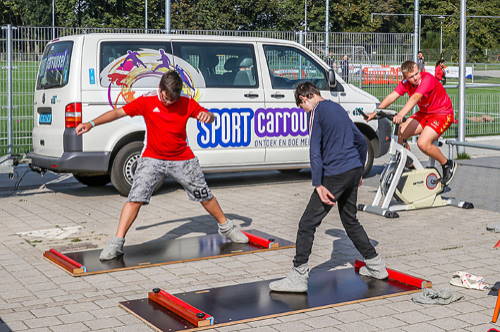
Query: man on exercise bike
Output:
(435,114)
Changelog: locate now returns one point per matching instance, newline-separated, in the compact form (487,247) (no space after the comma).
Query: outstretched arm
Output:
(391,98)
(412,101)
(101,119)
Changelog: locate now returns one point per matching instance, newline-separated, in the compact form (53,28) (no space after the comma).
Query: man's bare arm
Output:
(388,100)
(407,108)
(391,98)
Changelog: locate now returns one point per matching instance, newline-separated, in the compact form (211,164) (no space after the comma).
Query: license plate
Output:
(45,118)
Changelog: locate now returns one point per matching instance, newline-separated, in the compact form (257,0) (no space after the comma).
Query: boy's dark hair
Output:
(171,83)
(305,89)
(407,66)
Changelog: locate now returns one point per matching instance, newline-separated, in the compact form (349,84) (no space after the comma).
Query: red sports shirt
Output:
(165,126)
(434,99)
(439,73)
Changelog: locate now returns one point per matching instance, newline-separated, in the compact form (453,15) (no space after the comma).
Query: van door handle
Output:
(278,95)
(251,95)
(343,94)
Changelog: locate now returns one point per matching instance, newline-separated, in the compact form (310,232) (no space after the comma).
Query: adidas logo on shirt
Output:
(156,110)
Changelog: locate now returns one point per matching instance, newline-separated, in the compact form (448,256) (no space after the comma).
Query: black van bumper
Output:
(72,162)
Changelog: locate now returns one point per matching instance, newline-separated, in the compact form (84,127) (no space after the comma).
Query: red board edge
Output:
(65,262)
(400,277)
(260,241)
(183,309)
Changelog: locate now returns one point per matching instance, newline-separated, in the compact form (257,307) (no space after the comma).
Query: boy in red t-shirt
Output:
(166,152)
(435,113)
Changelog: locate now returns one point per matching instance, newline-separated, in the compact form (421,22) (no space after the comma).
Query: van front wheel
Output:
(124,165)
(370,154)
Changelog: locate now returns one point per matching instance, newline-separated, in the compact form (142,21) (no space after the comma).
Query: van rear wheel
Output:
(93,180)
(124,165)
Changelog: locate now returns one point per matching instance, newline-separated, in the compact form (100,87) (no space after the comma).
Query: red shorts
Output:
(438,122)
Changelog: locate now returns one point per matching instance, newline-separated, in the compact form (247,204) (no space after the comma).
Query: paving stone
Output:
(412,317)
(474,318)
(49,312)
(259,329)
(385,322)
(75,327)
(321,322)
(294,317)
(17,316)
(295,326)
(356,327)
(103,323)
(449,323)
(236,327)
(84,306)
(13,326)
(438,312)
(76,317)
(42,322)
(378,311)
(133,328)
(264,322)
(349,316)
(421,327)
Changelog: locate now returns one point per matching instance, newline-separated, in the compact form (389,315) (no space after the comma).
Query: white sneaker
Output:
(294,282)
(113,250)
(375,268)
(232,232)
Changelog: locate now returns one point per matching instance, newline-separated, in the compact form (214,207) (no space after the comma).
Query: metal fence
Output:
(361,48)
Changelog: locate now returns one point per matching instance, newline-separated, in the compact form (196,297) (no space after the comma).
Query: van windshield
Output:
(54,67)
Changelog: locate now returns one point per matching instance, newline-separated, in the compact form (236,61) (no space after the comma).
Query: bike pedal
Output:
(446,189)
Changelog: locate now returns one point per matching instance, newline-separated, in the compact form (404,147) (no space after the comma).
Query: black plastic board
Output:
(160,252)
(253,301)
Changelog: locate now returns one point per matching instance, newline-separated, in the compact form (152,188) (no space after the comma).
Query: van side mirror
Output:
(332,81)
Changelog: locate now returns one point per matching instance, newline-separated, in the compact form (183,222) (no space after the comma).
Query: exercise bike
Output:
(402,189)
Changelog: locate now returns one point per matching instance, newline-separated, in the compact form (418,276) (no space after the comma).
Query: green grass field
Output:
(480,102)
(482,105)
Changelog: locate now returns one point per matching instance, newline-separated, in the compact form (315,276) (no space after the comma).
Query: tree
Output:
(26,12)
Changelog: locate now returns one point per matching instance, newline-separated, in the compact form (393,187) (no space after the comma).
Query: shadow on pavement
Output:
(199,224)
(343,251)
(4,327)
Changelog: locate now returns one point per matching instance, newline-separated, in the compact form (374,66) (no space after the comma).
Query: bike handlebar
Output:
(380,115)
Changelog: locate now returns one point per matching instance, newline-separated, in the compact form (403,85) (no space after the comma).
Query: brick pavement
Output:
(37,296)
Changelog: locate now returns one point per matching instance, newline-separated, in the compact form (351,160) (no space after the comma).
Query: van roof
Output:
(150,36)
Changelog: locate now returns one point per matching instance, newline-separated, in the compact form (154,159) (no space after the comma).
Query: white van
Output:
(248,83)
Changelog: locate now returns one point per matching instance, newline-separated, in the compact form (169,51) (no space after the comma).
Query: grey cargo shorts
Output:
(151,171)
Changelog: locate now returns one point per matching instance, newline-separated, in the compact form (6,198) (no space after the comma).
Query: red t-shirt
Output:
(165,126)
(439,73)
(434,99)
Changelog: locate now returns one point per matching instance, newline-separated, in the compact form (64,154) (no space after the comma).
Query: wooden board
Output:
(253,301)
(162,252)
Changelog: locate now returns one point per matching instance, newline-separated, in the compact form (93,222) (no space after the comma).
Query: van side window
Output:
(289,66)
(222,65)
(111,51)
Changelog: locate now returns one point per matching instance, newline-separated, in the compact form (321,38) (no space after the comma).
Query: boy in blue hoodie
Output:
(337,155)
